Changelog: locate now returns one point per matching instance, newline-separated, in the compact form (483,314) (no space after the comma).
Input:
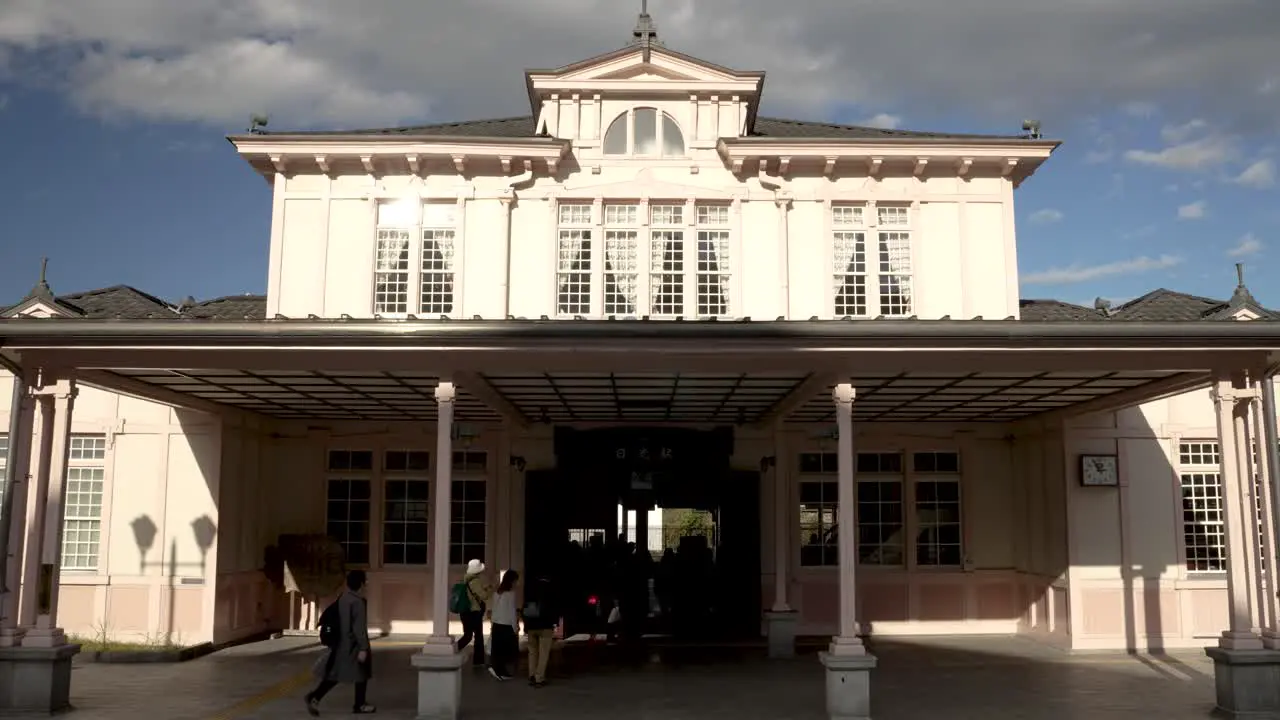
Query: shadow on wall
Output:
(204,532)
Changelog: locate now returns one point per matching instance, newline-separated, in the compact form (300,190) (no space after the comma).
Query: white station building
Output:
(641,287)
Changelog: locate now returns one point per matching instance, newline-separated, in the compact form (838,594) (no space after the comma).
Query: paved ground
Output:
(985,678)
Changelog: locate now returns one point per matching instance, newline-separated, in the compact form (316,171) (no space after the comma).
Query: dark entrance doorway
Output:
(694,583)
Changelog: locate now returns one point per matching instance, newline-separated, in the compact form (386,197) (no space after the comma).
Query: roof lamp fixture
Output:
(645,132)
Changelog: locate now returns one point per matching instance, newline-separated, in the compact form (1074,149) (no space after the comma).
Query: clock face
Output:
(1099,470)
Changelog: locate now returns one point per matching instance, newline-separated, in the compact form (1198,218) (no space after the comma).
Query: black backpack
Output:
(330,626)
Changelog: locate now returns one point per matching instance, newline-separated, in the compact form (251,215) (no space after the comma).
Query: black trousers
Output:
(362,689)
(473,629)
(506,650)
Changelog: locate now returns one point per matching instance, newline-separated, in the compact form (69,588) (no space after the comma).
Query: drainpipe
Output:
(508,196)
(10,469)
(1272,442)
(779,185)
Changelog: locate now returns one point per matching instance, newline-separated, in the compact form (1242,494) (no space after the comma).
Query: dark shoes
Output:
(365,709)
(313,706)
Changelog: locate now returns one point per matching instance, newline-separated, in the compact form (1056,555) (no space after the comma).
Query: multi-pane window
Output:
(4,459)
(467,501)
(644,132)
(651,265)
(406,506)
(573,259)
(880,532)
(348,508)
(871,281)
(712,271)
(667,261)
(621,259)
(82,527)
(1203,523)
(879,509)
(937,506)
(414,269)
(819,507)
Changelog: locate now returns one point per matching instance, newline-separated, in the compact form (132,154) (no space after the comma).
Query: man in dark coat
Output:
(350,661)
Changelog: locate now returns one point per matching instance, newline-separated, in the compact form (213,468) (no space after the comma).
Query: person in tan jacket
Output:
(480,591)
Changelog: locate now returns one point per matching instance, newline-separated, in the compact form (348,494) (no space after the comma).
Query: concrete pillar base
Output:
(1247,683)
(780,628)
(848,685)
(439,685)
(36,679)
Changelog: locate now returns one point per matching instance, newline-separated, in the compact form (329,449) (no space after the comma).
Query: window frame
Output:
(352,474)
(418,224)
(862,225)
(661,118)
(827,473)
(1193,475)
(919,476)
(94,523)
(462,475)
(4,463)
(635,251)
(411,474)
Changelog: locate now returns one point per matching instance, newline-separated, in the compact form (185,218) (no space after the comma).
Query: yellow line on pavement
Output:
(290,686)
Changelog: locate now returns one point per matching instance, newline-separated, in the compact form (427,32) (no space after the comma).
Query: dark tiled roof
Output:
(231,307)
(119,301)
(1052,310)
(522,127)
(1166,305)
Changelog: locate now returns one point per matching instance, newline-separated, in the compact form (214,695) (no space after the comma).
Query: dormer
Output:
(647,95)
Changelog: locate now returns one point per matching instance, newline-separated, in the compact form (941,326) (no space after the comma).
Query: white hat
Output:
(475,567)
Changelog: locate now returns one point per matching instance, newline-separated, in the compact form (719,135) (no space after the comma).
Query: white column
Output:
(440,640)
(847,642)
(1271,605)
(1238,635)
(18,470)
(504,253)
(46,632)
(37,501)
(1249,511)
(781,523)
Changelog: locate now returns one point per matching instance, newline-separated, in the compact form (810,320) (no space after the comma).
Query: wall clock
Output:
(1099,471)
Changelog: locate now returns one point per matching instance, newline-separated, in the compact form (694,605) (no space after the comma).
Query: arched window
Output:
(645,132)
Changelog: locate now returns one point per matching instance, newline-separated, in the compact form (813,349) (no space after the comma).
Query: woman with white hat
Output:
(479,591)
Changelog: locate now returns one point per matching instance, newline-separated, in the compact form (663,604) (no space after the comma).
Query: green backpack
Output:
(460,599)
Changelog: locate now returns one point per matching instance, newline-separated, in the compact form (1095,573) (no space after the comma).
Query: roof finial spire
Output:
(1239,274)
(645,34)
(42,286)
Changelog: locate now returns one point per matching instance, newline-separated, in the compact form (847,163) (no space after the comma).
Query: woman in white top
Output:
(503,633)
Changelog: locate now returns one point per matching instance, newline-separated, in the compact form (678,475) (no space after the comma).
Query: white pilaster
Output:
(1238,635)
(46,632)
(1249,510)
(18,468)
(1271,604)
(440,640)
(848,641)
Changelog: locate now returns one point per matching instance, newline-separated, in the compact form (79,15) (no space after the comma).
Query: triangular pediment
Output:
(37,308)
(631,64)
(646,185)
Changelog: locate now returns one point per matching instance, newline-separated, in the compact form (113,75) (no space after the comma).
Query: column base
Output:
(1247,682)
(848,685)
(11,637)
(36,679)
(44,638)
(439,684)
(780,629)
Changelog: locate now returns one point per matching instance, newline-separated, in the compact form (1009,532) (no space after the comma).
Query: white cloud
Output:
(1260,175)
(1046,216)
(883,120)
(1174,134)
(1085,273)
(1192,211)
(329,63)
(1199,154)
(1248,245)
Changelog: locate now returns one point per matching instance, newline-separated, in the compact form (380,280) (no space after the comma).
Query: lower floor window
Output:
(467,520)
(405,535)
(1204,533)
(347,514)
(938,523)
(818,540)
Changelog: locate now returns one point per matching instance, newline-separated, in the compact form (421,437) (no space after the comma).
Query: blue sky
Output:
(118,171)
